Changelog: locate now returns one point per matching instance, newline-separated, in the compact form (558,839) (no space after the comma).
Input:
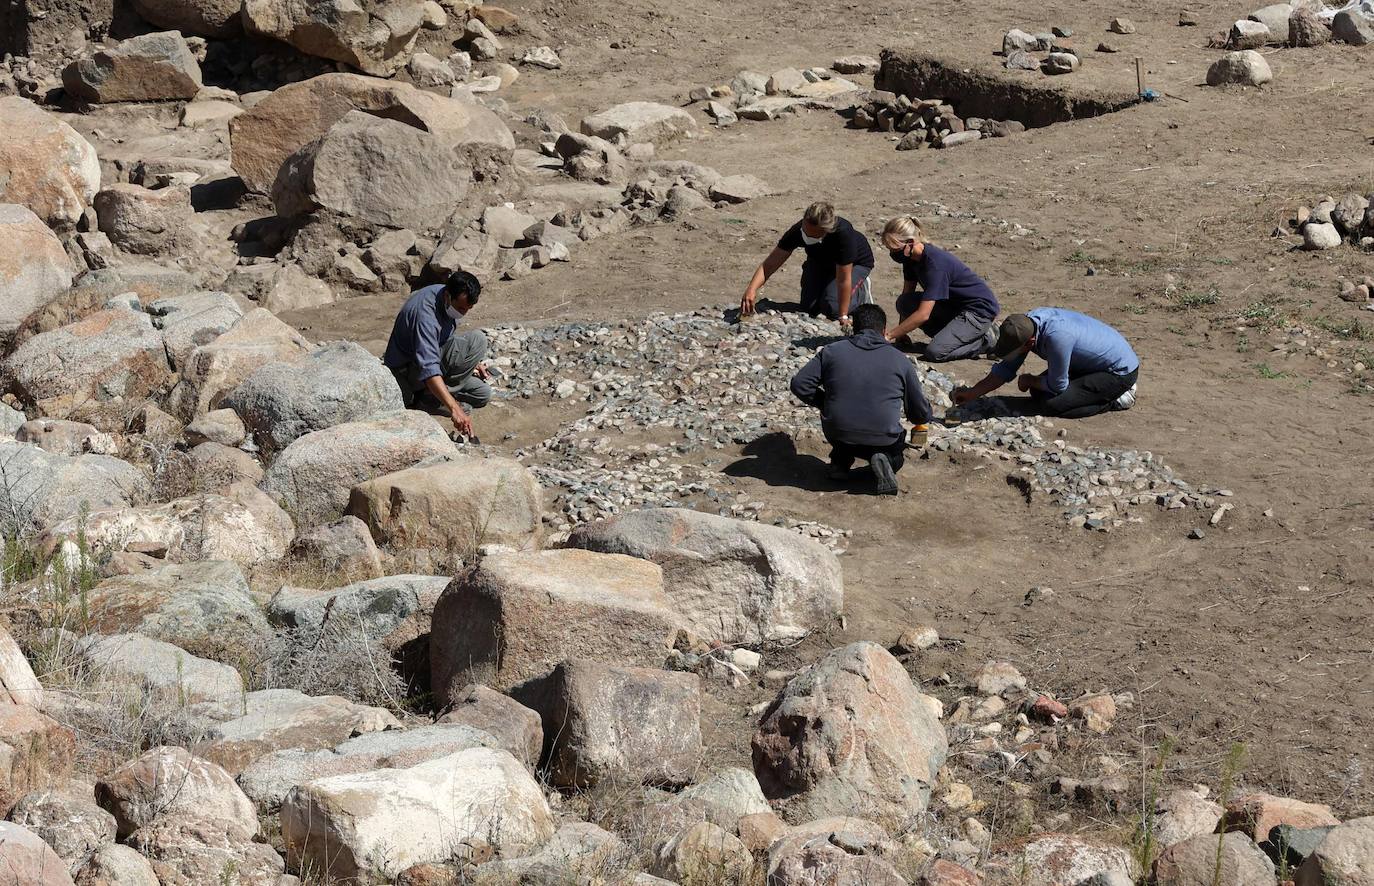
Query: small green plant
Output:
(1242,344)
(1260,312)
(1138,308)
(1230,771)
(1187,301)
(1267,371)
(1144,844)
(1079,257)
(1352,328)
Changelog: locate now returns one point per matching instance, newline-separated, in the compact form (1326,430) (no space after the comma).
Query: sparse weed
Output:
(1349,328)
(1267,371)
(1185,301)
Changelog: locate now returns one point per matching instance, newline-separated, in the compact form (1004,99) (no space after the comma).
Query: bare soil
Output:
(1258,633)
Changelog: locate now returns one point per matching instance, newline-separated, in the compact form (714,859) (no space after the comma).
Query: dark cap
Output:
(1016,331)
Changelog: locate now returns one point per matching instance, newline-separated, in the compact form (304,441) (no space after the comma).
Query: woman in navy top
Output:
(953,305)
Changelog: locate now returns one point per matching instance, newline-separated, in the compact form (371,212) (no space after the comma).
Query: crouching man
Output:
(862,386)
(1090,368)
(436,366)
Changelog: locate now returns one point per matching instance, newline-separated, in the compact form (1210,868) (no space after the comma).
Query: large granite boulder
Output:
(1345,857)
(373,825)
(453,507)
(67,818)
(144,668)
(151,67)
(313,476)
(336,383)
(735,581)
(98,370)
(191,320)
(25,858)
(167,783)
(374,36)
(510,620)
(214,369)
(36,752)
(377,172)
(146,221)
(852,734)
(41,489)
(202,18)
(636,122)
(34,268)
(299,113)
(609,721)
(518,729)
(45,165)
(1055,859)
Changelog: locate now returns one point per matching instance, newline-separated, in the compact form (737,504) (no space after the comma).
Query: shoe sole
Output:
(882,470)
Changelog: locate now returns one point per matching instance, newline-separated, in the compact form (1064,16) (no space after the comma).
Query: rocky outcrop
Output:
(214,369)
(374,36)
(45,165)
(34,268)
(152,67)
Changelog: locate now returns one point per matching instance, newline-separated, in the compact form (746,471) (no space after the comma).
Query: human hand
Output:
(846,324)
(461,422)
(1025,381)
(481,371)
(961,395)
(746,304)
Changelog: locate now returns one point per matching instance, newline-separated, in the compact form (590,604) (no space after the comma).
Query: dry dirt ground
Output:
(1259,633)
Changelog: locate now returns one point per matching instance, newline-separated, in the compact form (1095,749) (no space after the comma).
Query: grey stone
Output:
(67,819)
(1244,67)
(191,320)
(1349,213)
(633,122)
(34,267)
(1353,27)
(40,489)
(374,37)
(169,782)
(1306,28)
(1317,236)
(116,865)
(203,18)
(152,67)
(1121,26)
(517,728)
(1197,861)
(144,221)
(856,64)
(392,611)
(344,548)
(1247,34)
(314,474)
(506,225)
(1344,858)
(337,383)
(740,188)
(1275,17)
(147,666)
(222,426)
(1060,63)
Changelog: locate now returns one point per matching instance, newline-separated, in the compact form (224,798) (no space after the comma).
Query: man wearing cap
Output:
(427,356)
(862,386)
(1090,366)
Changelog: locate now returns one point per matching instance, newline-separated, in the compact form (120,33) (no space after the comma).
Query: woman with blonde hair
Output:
(953,305)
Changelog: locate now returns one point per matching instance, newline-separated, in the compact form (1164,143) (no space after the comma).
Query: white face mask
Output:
(456,314)
(810,241)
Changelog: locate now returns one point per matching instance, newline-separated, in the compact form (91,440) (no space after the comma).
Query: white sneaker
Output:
(1126,400)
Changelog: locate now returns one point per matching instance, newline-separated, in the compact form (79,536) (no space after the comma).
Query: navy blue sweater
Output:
(862,385)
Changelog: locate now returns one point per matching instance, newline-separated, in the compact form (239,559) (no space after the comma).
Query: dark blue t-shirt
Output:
(949,283)
(842,246)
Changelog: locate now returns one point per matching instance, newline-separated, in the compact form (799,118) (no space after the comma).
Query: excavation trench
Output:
(992,93)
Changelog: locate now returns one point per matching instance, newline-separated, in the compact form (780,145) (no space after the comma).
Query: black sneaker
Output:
(882,471)
(838,471)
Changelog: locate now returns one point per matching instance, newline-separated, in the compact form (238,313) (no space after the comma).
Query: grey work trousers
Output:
(457,359)
(966,336)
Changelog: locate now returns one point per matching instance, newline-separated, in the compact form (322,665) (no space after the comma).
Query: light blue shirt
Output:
(421,329)
(1073,345)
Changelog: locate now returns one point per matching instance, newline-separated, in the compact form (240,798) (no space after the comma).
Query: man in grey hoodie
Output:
(862,385)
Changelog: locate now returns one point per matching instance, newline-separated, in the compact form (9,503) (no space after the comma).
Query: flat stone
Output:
(151,67)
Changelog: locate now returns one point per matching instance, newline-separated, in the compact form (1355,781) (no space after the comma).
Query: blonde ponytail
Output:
(901,229)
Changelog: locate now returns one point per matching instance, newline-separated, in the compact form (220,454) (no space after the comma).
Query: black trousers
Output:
(843,454)
(1086,395)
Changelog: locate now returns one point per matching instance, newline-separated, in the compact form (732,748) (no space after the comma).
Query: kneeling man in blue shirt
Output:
(1091,368)
(427,356)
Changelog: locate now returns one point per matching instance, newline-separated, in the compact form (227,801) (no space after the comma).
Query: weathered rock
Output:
(1305,28)
(740,189)
(299,113)
(1275,18)
(26,859)
(222,426)
(377,171)
(1353,27)
(1097,711)
(734,581)
(314,474)
(168,783)
(280,288)
(34,268)
(212,370)
(1247,34)
(152,67)
(1206,859)
(832,850)
(202,18)
(203,607)
(1121,26)
(143,221)
(394,611)
(217,468)
(337,383)
(99,369)
(1181,814)
(577,852)
(508,622)
(65,437)
(343,548)
(280,719)
(1245,68)
(191,320)
(269,779)
(727,796)
(954,139)
(452,507)
(608,721)
(851,734)
(1318,236)
(243,526)
(147,667)
(1060,63)
(1017,40)
(67,819)
(856,64)
(45,165)
(375,37)
(637,122)
(380,823)
(98,289)
(116,865)
(517,728)
(1255,815)
(464,249)
(1348,216)
(997,677)
(41,489)
(1344,858)
(35,753)
(1054,859)
(197,851)
(17,680)
(705,853)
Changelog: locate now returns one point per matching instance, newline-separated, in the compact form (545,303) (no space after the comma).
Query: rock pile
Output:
(1332,222)
(1301,24)
(1021,50)
(925,123)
